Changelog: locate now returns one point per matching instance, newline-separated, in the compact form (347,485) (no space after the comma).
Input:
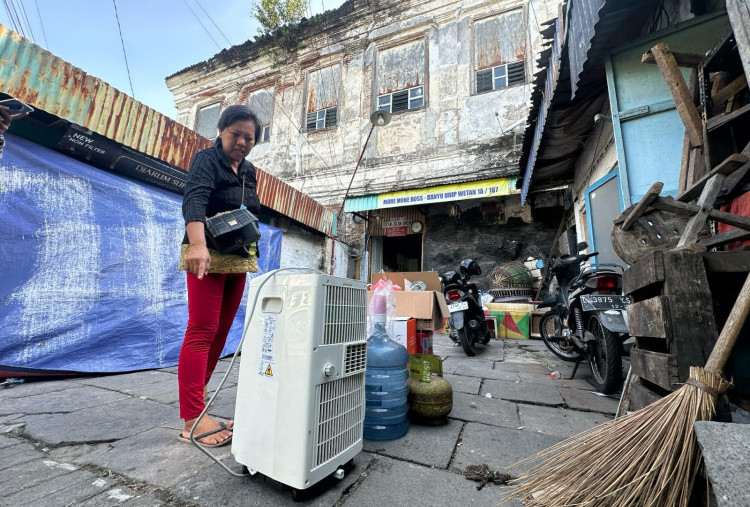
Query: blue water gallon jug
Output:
(386,391)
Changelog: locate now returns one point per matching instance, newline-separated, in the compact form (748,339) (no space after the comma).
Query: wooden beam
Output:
(706,202)
(682,59)
(739,16)
(680,92)
(643,205)
(729,91)
(725,237)
(688,209)
(727,167)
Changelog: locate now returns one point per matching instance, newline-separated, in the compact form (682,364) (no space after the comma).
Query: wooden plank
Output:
(656,367)
(739,16)
(643,204)
(726,167)
(641,396)
(730,90)
(682,59)
(691,306)
(732,261)
(647,271)
(680,93)
(725,237)
(720,119)
(650,318)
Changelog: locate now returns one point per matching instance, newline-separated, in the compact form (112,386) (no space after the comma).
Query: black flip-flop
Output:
(222,427)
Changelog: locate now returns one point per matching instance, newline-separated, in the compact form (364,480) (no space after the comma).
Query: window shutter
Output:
(516,73)
(400,101)
(311,120)
(331,117)
(484,80)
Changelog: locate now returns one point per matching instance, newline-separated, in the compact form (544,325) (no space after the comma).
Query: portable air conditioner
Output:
(301,388)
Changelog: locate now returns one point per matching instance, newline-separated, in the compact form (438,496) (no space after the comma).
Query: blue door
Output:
(648,130)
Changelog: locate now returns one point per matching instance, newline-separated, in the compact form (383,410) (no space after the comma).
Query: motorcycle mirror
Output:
(582,246)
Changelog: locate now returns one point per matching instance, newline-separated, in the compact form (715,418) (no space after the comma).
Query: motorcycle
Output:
(468,326)
(587,317)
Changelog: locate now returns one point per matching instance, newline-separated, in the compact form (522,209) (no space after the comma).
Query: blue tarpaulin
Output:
(89,278)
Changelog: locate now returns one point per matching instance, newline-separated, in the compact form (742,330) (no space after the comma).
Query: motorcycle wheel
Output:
(465,339)
(551,328)
(604,358)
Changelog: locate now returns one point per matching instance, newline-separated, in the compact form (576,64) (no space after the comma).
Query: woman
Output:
(215,283)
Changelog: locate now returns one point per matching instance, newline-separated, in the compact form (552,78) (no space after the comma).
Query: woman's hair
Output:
(235,113)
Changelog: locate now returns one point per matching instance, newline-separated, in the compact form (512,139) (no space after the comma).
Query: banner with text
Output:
(446,193)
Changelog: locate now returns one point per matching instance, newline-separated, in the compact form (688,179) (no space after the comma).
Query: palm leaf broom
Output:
(647,458)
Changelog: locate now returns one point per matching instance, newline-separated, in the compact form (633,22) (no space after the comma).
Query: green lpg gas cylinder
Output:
(430,395)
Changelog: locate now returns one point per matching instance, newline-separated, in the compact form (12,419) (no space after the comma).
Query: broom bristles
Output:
(647,458)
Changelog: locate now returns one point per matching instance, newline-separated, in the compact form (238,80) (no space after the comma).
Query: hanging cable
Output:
(10,8)
(253,75)
(26,19)
(122,42)
(41,24)
(202,25)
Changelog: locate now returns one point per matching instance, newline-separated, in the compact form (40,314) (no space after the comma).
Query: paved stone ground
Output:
(111,440)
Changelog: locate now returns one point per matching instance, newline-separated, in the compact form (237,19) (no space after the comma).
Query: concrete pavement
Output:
(111,440)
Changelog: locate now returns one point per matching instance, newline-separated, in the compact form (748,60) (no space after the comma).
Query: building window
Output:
(322,98)
(500,52)
(261,103)
(321,119)
(207,119)
(401,77)
(500,76)
(402,100)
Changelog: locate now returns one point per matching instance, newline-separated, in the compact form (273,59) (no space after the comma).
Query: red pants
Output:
(212,305)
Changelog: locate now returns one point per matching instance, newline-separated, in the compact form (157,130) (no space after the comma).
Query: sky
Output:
(161,37)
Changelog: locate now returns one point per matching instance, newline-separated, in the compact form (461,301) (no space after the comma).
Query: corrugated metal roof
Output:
(551,149)
(49,83)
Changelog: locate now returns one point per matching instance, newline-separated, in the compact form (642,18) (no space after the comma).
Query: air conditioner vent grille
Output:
(356,358)
(340,417)
(346,315)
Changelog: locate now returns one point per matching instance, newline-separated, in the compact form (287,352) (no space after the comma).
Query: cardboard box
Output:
(405,333)
(427,306)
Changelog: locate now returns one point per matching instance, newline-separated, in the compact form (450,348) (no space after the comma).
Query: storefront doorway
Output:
(402,253)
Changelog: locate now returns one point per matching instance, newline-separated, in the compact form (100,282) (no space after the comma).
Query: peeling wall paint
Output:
(401,67)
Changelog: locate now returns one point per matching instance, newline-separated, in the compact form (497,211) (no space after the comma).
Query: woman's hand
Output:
(197,260)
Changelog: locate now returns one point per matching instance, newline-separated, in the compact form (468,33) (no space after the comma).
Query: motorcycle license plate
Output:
(457,307)
(604,302)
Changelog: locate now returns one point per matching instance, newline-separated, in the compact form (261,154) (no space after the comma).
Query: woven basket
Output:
(511,274)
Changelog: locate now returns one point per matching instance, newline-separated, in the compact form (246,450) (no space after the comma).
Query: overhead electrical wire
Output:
(26,19)
(299,129)
(124,54)
(10,8)
(41,24)
(254,75)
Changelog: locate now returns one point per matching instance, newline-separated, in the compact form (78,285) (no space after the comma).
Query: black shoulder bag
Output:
(233,231)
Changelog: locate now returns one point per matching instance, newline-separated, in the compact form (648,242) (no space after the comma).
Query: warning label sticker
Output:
(267,365)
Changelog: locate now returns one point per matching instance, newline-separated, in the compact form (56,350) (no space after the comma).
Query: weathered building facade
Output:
(455,77)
